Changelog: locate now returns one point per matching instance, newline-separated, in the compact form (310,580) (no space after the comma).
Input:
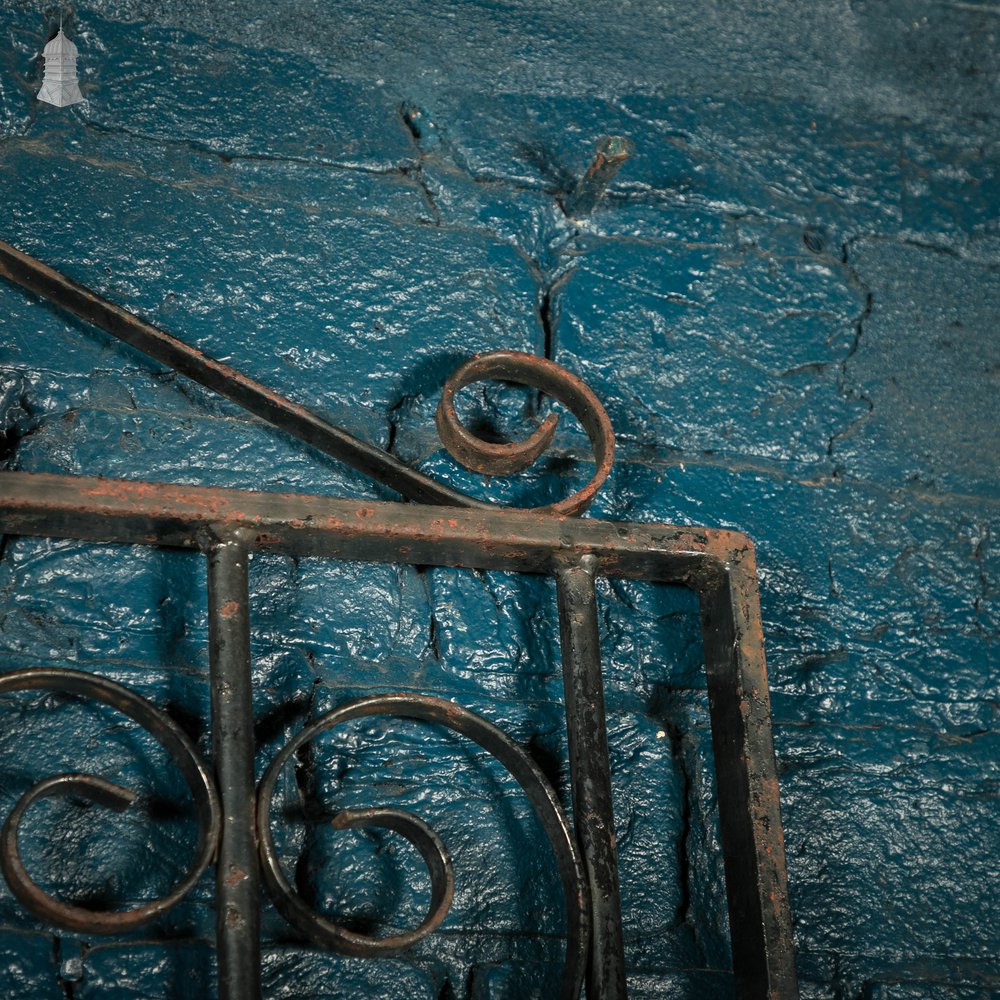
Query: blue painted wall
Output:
(789,304)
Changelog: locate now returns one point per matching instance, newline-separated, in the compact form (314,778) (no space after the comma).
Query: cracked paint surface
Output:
(788,302)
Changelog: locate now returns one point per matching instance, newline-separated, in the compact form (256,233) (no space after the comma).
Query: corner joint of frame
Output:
(729,559)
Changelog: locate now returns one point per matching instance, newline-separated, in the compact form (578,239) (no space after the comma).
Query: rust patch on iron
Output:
(235,876)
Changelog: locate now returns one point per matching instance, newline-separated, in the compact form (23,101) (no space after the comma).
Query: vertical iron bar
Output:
(590,772)
(237,875)
(746,777)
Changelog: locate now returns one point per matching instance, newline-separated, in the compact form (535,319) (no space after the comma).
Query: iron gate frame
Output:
(446,528)
(718,565)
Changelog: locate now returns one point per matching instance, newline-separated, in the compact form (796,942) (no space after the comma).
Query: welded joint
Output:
(731,560)
(586,562)
(226,536)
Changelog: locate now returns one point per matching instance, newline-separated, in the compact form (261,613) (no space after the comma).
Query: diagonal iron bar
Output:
(261,401)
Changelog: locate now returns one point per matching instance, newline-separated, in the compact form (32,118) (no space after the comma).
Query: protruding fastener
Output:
(612,152)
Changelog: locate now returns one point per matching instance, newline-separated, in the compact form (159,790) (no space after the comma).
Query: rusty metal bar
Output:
(590,772)
(293,524)
(263,402)
(237,872)
(747,783)
(374,462)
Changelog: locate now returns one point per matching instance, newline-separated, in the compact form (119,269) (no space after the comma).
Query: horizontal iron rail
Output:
(142,513)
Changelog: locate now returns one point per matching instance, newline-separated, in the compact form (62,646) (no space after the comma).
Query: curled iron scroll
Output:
(294,419)
(504,459)
(103,792)
(540,794)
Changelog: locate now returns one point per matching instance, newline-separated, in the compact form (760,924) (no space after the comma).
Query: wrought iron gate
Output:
(446,528)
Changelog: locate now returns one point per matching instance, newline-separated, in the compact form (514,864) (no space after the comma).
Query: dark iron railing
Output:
(447,528)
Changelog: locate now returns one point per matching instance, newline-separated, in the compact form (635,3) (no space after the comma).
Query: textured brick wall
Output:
(789,304)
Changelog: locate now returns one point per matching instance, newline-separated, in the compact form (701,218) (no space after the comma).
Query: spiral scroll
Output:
(543,800)
(96,789)
(504,459)
(294,419)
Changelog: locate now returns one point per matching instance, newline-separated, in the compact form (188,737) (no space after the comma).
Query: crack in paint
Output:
(410,116)
(852,393)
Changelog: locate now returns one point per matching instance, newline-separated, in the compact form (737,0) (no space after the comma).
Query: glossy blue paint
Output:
(788,302)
